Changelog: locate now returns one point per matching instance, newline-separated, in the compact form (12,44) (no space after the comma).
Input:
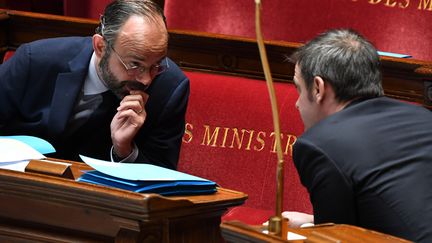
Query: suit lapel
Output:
(67,90)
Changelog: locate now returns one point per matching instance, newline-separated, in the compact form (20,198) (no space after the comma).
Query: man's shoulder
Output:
(61,42)
(367,119)
(171,79)
(174,71)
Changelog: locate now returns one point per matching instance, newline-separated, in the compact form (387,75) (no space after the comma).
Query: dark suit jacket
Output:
(371,165)
(40,84)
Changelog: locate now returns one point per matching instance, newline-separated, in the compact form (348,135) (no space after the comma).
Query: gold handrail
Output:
(275,222)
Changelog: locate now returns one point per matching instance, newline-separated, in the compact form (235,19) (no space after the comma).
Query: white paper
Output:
(41,145)
(290,235)
(138,171)
(12,150)
(17,165)
(294,236)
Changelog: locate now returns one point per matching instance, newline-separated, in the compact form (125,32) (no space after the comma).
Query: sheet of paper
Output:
(290,235)
(391,54)
(137,171)
(41,145)
(12,150)
(294,236)
(17,166)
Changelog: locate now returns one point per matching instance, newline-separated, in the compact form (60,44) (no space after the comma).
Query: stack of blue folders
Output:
(145,178)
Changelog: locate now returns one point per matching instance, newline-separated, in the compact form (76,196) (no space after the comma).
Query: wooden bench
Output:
(229,128)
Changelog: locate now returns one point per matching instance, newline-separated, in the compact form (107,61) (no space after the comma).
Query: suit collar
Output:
(67,89)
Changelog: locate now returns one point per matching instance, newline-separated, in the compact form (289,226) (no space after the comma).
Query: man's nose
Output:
(144,78)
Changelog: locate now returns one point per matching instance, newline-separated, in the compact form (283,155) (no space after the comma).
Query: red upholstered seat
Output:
(229,140)
(393,26)
(8,55)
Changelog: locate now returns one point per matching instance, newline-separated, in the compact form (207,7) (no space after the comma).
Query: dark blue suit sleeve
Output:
(330,191)
(13,78)
(162,144)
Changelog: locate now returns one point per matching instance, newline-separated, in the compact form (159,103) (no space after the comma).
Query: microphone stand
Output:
(275,222)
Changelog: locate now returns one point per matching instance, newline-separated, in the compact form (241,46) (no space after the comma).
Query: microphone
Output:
(275,222)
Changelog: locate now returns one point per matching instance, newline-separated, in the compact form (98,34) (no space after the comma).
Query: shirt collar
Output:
(93,84)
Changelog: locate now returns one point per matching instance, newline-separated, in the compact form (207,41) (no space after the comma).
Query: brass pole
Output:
(275,222)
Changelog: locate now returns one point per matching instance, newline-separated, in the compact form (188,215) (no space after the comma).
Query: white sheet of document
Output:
(41,145)
(290,235)
(138,171)
(15,155)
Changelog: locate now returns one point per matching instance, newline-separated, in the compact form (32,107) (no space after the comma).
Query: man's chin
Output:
(130,85)
(125,87)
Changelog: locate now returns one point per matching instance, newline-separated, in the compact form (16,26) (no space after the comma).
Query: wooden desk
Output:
(46,208)
(235,231)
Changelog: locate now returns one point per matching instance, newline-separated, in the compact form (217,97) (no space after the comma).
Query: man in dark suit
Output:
(115,96)
(365,159)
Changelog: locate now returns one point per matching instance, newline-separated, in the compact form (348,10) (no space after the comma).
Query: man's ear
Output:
(98,45)
(319,89)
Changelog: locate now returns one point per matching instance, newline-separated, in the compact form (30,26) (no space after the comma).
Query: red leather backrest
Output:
(229,138)
(399,26)
(8,55)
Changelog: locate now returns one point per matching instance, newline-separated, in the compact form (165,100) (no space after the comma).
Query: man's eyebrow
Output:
(137,57)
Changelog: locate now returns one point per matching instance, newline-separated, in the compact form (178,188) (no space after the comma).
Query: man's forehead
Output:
(141,29)
(139,38)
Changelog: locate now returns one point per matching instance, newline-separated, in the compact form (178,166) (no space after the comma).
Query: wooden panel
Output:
(24,27)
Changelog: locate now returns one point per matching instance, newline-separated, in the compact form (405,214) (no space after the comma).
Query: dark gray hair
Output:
(119,11)
(344,59)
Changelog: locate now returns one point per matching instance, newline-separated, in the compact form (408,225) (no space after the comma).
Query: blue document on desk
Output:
(392,54)
(145,178)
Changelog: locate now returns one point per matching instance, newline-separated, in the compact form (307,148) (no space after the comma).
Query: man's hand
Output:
(297,219)
(128,121)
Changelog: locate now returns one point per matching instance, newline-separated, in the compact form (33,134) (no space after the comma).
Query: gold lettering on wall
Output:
(425,5)
(260,139)
(207,139)
(187,137)
(289,145)
(236,138)
(239,139)
(402,4)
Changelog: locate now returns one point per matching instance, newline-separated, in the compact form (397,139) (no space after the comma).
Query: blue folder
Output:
(165,188)
(145,178)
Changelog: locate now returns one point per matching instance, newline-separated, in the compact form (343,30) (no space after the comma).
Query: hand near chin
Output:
(128,121)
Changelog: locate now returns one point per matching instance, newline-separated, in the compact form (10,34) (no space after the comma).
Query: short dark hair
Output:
(119,11)
(344,59)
